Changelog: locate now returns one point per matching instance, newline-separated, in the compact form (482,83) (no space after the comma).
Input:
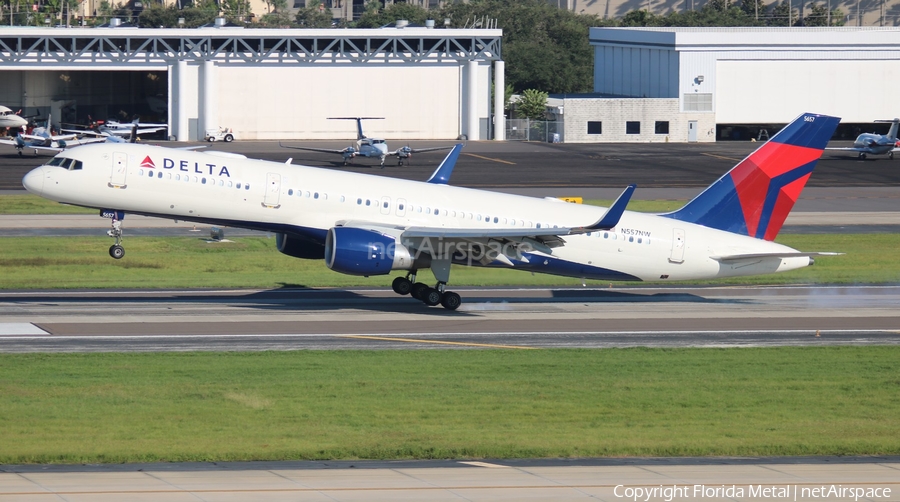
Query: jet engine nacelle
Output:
(358,251)
(299,247)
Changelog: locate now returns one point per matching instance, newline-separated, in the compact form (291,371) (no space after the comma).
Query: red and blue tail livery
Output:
(755,197)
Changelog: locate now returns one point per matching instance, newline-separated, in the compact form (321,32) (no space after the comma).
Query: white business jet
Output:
(42,139)
(369,147)
(370,225)
(10,119)
(875,144)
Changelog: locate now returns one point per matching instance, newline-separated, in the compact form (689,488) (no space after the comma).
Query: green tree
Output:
(532,104)
(376,17)
(782,15)
(236,11)
(818,15)
(544,47)
(754,8)
(195,16)
(312,16)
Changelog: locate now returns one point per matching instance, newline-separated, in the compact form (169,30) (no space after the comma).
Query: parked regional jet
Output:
(369,147)
(10,119)
(370,225)
(875,144)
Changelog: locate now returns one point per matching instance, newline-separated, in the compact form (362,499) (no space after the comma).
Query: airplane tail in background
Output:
(359,131)
(755,196)
(892,133)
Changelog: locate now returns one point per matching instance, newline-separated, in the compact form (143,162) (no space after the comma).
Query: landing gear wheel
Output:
(451,300)
(432,297)
(400,162)
(116,251)
(862,156)
(891,155)
(401,286)
(418,291)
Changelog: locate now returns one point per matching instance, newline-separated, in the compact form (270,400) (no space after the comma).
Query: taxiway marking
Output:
(489,158)
(720,157)
(439,342)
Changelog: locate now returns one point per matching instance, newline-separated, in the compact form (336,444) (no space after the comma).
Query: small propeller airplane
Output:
(43,139)
(11,119)
(369,147)
(875,144)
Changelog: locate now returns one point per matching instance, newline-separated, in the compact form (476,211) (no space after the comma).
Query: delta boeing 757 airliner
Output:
(370,225)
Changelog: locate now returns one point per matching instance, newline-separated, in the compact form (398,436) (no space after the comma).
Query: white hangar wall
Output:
(840,88)
(753,75)
(294,102)
(280,83)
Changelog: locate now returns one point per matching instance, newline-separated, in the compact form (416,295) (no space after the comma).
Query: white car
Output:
(225,134)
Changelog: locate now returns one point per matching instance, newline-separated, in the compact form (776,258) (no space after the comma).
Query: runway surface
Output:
(92,321)
(490,480)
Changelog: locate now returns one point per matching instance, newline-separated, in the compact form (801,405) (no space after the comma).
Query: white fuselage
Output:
(9,119)
(202,187)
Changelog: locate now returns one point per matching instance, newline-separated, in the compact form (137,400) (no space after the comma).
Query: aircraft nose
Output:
(34,181)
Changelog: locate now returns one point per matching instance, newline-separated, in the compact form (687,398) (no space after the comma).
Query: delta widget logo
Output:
(148,162)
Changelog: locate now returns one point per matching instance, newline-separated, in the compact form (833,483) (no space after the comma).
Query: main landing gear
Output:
(116,250)
(425,294)
(862,156)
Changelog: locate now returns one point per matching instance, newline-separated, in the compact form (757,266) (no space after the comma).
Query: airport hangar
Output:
(704,84)
(263,83)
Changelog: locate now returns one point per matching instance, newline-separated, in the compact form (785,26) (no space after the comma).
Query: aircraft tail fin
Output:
(755,196)
(892,134)
(359,131)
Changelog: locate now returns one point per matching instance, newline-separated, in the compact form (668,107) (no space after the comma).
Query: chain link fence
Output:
(534,130)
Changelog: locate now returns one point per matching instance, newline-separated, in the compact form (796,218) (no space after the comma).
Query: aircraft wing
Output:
(851,149)
(403,151)
(488,244)
(11,142)
(311,149)
(758,256)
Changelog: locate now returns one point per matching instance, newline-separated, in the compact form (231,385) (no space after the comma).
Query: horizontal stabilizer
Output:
(756,256)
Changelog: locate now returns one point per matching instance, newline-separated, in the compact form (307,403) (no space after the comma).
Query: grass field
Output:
(253,262)
(449,404)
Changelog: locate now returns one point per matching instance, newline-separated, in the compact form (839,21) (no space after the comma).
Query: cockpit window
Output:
(65,163)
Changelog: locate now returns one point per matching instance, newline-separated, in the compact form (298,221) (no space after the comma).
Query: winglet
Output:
(441,175)
(612,215)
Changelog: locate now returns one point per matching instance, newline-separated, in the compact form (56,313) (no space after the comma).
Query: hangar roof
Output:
(24,47)
(751,39)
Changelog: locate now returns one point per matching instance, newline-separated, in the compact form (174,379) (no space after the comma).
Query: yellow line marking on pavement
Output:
(486,464)
(439,342)
(720,156)
(489,158)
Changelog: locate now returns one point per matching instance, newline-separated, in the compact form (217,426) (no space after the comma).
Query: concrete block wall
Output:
(614,113)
